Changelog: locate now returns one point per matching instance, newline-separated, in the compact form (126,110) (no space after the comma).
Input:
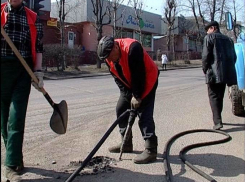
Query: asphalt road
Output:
(181,104)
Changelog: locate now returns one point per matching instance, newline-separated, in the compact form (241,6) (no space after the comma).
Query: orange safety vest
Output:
(150,66)
(31,19)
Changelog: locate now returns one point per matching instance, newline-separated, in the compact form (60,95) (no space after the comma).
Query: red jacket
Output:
(150,66)
(31,19)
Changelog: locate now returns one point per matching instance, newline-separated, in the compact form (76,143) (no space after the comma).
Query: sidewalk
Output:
(87,71)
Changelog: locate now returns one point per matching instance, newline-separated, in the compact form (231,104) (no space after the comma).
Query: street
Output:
(181,104)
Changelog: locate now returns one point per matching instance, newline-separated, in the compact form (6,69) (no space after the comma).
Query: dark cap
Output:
(212,23)
(105,47)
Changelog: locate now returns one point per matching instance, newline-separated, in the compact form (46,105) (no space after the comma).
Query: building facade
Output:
(81,12)
(79,29)
(184,42)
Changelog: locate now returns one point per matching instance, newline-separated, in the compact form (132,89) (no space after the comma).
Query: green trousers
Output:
(15,91)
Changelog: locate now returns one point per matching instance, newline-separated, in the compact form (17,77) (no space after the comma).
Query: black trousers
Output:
(216,95)
(145,113)
(164,66)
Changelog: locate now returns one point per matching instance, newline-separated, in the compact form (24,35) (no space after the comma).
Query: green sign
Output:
(142,24)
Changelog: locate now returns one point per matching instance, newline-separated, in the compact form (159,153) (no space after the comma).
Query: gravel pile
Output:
(98,164)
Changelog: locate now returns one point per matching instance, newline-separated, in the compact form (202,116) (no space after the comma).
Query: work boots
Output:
(150,152)
(128,147)
(11,175)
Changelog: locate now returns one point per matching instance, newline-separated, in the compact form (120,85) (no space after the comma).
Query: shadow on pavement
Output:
(118,175)
(222,165)
(237,127)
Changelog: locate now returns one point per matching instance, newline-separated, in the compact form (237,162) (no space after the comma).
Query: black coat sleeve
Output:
(137,68)
(207,53)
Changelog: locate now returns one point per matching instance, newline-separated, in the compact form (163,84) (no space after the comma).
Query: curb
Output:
(50,77)
(55,77)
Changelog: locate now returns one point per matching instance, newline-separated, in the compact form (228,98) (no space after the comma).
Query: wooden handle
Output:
(23,62)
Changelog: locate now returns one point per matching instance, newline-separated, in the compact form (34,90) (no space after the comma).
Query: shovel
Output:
(58,121)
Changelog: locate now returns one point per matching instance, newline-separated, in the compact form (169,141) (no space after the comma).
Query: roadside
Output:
(92,70)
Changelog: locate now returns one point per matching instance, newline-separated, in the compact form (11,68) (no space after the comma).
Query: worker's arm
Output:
(137,69)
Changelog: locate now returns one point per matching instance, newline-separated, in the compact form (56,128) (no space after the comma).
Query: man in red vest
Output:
(25,31)
(136,75)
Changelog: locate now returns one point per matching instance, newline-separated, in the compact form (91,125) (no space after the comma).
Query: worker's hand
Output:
(135,103)
(40,84)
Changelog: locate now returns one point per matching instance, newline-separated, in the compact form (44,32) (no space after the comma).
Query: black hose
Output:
(96,148)
(167,167)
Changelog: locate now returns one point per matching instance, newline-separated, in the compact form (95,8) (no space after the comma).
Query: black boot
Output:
(128,147)
(150,152)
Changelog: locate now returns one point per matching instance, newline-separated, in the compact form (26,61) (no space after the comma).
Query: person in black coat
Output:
(218,64)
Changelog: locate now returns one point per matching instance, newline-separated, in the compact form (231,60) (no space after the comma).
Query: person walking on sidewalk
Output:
(218,64)
(136,75)
(23,28)
(164,61)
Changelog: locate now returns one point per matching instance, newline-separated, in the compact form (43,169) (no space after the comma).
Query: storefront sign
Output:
(130,20)
(52,22)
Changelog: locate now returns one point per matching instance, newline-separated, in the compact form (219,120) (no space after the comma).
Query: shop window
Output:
(127,34)
(146,39)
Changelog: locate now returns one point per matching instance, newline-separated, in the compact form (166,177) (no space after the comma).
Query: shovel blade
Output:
(59,118)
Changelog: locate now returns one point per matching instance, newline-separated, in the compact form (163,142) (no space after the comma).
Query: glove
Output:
(40,84)
(135,103)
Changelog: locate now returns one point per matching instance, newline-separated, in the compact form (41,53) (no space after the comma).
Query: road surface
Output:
(181,104)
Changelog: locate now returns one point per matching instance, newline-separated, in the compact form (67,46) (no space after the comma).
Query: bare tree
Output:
(204,11)
(222,11)
(188,28)
(64,9)
(115,5)
(170,14)
(192,5)
(62,27)
(211,10)
(101,10)
(200,12)
(235,8)
(137,7)
(120,30)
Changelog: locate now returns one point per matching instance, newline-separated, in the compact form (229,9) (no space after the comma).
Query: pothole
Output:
(98,164)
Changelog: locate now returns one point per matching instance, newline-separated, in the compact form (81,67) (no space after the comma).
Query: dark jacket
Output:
(218,59)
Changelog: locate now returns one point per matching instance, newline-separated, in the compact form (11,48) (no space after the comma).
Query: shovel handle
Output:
(23,62)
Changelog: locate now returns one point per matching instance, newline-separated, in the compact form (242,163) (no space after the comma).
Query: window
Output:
(146,39)
(127,34)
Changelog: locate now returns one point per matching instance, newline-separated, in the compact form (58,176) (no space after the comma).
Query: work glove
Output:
(40,84)
(135,103)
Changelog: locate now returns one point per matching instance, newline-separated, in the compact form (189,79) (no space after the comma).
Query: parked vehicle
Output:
(237,92)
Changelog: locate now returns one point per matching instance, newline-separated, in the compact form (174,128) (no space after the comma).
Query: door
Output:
(71,39)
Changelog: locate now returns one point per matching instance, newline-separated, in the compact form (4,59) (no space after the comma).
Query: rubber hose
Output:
(167,167)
